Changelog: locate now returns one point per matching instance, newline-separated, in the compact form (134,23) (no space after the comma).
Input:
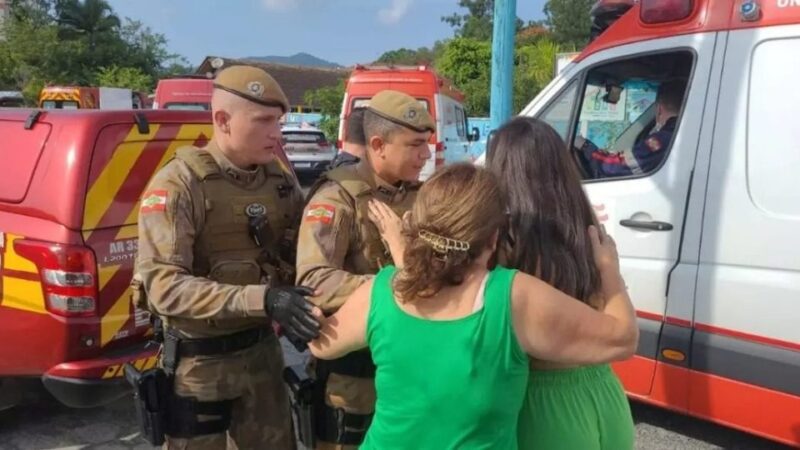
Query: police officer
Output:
(339,248)
(645,156)
(355,143)
(217,228)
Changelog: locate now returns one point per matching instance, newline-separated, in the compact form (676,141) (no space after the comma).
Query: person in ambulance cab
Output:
(646,155)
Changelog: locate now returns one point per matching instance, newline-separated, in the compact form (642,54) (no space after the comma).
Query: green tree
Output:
(50,42)
(147,50)
(569,21)
(467,63)
(407,57)
(38,56)
(124,77)
(477,22)
(534,69)
(329,101)
(92,19)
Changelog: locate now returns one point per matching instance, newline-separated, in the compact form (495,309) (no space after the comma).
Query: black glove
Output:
(289,307)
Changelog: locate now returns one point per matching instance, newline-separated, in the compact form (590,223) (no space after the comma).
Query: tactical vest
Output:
(368,253)
(225,250)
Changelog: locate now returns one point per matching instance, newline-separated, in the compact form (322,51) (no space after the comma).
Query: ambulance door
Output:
(608,98)
(746,348)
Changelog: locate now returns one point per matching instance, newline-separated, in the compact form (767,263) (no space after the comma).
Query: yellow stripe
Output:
(13,261)
(186,136)
(116,317)
(24,295)
(105,188)
(105,274)
(110,371)
(128,231)
(151,362)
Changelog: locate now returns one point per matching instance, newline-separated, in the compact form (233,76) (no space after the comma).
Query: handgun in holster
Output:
(151,391)
(301,388)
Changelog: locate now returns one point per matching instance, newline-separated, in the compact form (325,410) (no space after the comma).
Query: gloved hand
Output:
(289,307)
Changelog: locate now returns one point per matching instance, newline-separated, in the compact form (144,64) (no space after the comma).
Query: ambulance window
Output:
(461,123)
(558,113)
(621,130)
(773,107)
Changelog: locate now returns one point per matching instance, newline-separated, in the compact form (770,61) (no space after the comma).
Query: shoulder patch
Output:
(653,143)
(152,201)
(320,212)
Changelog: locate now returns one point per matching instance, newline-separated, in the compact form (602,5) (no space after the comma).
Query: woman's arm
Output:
(553,326)
(346,330)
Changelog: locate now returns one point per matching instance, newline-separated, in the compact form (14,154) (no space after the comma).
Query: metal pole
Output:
(502,94)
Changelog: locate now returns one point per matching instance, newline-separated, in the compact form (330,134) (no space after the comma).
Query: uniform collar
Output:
(231,171)
(382,190)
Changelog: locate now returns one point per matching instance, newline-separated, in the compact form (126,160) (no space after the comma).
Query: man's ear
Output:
(222,120)
(376,144)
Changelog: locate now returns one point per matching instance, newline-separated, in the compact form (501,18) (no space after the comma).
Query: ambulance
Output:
(709,240)
(451,142)
(70,189)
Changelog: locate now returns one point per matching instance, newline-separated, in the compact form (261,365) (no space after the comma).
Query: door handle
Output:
(652,225)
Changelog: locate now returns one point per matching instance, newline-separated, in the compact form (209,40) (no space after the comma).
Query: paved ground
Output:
(44,424)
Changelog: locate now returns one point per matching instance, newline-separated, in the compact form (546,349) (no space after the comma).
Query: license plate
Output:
(303,165)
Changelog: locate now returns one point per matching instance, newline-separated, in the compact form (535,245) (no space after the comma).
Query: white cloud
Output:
(279,5)
(394,12)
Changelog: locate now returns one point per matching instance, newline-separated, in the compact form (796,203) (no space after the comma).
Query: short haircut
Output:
(375,125)
(670,95)
(354,127)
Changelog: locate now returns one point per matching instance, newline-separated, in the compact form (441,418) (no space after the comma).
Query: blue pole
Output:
(502,94)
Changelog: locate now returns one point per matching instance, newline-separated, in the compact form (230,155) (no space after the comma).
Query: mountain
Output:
(300,59)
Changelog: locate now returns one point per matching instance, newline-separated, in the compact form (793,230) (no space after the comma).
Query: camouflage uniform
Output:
(339,248)
(205,276)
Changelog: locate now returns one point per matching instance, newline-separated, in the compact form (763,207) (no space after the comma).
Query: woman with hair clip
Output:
(451,335)
(573,405)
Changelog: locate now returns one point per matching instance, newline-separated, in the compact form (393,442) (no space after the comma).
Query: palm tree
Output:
(90,18)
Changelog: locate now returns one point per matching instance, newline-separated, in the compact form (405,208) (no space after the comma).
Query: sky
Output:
(341,31)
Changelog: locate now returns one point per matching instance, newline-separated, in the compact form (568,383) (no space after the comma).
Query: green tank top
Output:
(446,384)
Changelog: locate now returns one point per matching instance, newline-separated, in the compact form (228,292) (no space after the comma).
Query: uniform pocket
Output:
(240,273)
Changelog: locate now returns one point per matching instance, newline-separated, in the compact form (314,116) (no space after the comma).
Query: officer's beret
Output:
(253,84)
(402,109)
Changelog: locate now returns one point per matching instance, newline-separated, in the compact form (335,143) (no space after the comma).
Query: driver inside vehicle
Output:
(645,155)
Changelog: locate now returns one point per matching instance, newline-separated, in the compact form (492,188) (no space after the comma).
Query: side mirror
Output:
(475,135)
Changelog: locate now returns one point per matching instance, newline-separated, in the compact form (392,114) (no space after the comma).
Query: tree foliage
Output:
(569,21)
(329,101)
(80,42)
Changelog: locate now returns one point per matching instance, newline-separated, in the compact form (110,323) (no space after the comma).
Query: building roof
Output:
(294,80)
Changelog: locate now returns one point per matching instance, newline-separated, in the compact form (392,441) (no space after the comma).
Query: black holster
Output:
(335,425)
(160,411)
(152,390)
(301,389)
